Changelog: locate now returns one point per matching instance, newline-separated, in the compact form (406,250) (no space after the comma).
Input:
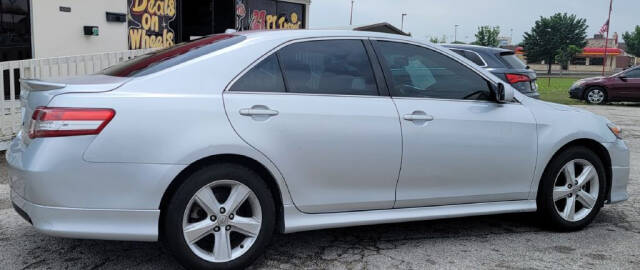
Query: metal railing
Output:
(46,68)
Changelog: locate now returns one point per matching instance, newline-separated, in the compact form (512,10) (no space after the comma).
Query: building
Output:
(591,59)
(504,41)
(53,28)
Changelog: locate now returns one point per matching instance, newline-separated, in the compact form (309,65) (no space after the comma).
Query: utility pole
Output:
(606,40)
(455,33)
(351,18)
(402,23)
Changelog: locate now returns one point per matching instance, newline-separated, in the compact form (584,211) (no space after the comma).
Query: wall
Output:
(57,33)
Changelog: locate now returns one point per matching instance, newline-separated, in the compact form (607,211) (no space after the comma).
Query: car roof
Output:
(476,48)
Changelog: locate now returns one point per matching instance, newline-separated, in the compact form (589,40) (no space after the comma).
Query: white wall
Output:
(57,33)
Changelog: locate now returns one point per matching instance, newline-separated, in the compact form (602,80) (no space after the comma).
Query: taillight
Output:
(60,122)
(516,78)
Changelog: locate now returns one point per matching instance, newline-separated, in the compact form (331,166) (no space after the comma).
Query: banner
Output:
(150,23)
(268,14)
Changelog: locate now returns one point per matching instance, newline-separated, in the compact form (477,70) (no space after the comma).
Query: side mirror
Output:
(503,94)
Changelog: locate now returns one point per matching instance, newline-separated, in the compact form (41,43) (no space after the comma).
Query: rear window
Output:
(511,60)
(166,58)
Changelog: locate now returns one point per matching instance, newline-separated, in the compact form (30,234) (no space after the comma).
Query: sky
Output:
(435,18)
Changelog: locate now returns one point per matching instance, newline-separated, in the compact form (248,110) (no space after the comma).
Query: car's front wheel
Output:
(572,189)
(221,217)
(596,95)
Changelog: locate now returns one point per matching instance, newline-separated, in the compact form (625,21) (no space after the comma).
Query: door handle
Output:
(418,117)
(258,112)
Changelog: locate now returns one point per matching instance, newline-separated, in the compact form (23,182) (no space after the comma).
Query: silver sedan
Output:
(213,146)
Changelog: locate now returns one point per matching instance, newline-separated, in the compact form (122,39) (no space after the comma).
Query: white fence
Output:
(46,68)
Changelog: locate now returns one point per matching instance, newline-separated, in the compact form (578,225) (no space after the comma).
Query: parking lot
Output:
(495,242)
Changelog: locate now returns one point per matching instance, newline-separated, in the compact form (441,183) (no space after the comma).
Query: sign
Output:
(268,14)
(150,23)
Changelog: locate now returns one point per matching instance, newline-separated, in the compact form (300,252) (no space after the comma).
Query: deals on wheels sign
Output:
(150,23)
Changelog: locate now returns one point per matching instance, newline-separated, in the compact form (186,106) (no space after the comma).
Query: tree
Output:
(564,55)
(554,33)
(436,40)
(487,36)
(633,41)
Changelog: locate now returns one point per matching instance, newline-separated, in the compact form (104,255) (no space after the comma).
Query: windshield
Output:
(512,60)
(165,58)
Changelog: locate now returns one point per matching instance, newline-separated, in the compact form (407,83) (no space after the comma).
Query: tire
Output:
(596,95)
(556,212)
(184,213)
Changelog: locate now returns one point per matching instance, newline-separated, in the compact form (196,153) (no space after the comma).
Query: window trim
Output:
(452,55)
(276,51)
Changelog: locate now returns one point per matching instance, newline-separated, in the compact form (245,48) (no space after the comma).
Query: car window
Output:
(512,60)
(633,73)
(328,67)
(475,58)
(162,59)
(472,56)
(264,77)
(416,71)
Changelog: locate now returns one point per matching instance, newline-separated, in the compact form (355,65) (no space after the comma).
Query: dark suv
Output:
(502,63)
(624,86)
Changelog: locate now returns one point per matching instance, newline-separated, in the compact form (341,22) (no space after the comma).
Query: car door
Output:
(629,86)
(336,141)
(459,146)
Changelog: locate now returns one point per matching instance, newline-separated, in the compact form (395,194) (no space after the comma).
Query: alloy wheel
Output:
(595,96)
(575,190)
(222,221)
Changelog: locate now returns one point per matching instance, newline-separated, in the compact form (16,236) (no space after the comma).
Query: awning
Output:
(600,51)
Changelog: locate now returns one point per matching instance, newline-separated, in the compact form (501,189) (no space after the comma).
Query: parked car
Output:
(214,145)
(623,86)
(503,63)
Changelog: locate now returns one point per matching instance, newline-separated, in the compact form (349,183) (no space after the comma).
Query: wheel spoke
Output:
(207,201)
(560,193)
(588,173)
(196,231)
(237,196)
(247,226)
(586,199)
(222,245)
(570,172)
(569,209)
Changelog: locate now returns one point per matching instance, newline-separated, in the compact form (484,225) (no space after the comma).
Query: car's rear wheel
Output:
(572,189)
(596,95)
(222,217)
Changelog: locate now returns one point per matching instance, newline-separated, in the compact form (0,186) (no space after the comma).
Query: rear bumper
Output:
(620,160)
(63,195)
(106,224)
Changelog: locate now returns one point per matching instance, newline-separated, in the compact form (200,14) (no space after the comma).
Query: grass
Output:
(557,91)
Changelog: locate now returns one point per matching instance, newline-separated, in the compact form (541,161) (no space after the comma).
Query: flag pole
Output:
(606,41)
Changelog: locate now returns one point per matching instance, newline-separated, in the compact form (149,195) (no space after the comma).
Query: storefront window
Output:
(579,61)
(596,61)
(15,30)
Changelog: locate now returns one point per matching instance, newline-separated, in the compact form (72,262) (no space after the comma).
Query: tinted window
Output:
(472,56)
(633,73)
(166,58)
(512,61)
(328,67)
(264,77)
(420,72)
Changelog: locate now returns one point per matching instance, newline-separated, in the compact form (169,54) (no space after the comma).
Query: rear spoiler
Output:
(38,85)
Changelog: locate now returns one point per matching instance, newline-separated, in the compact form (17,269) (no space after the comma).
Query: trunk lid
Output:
(37,93)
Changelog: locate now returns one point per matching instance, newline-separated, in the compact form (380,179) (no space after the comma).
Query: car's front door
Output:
(458,146)
(335,140)
(628,87)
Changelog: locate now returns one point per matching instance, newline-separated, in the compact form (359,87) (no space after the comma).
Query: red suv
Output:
(624,86)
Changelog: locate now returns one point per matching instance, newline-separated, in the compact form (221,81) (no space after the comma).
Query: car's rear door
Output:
(458,146)
(334,138)
(629,87)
